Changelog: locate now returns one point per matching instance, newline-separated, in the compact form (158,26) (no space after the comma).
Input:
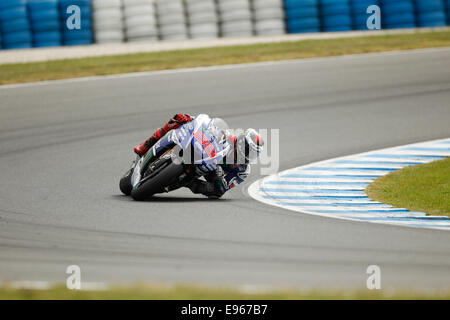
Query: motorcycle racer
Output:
(247,147)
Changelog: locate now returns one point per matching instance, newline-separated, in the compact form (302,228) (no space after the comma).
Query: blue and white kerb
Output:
(335,188)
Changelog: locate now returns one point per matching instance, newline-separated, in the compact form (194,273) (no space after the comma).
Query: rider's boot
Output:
(142,148)
(177,121)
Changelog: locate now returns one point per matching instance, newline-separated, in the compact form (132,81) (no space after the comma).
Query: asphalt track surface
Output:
(64,145)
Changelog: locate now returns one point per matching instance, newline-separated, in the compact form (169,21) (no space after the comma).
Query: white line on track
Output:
(222,67)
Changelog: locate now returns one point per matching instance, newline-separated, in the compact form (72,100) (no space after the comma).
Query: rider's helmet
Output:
(249,145)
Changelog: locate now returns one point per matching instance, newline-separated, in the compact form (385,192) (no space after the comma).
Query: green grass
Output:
(71,68)
(424,188)
(151,292)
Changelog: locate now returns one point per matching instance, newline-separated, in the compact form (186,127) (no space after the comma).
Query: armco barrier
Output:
(80,36)
(359,12)
(140,20)
(203,21)
(15,25)
(45,23)
(268,17)
(335,15)
(430,13)
(302,16)
(398,14)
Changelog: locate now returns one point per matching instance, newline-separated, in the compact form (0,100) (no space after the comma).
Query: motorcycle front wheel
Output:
(125,183)
(155,181)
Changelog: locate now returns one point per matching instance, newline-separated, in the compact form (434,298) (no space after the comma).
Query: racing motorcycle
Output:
(180,156)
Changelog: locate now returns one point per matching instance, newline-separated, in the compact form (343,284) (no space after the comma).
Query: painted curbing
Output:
(335,188)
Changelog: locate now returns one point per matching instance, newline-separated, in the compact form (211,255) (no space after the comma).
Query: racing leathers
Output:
(216,182)
(224,178)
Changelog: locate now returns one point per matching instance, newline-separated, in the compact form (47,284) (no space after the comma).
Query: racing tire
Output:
(101,4)
(12,3)
(297,4)
(264,4)
(138,11)
(230,5)
(78,42)
(156,181)
(268,14)
(164,7)
(125,183)
(203,17)
(200,5)
(15,25)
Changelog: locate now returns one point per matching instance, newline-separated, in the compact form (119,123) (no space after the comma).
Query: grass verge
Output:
(148,292)
(424,188)
(72,68)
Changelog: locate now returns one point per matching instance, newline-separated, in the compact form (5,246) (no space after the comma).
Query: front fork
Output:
(136,170)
